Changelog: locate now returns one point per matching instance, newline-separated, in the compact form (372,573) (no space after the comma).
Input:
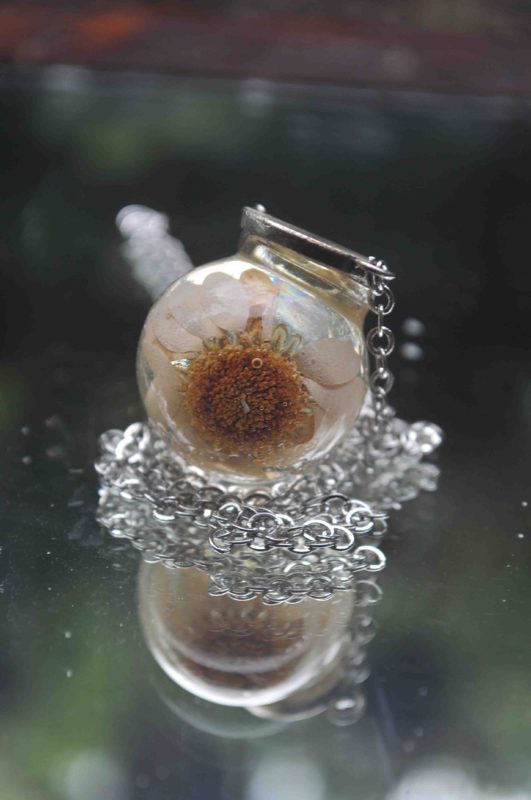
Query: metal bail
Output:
(256,222)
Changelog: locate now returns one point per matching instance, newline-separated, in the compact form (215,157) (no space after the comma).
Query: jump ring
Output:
(387,341)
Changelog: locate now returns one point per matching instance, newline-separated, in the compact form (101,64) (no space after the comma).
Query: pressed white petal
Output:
(329,362)
(260,290)
(359,393)
(184,303)
(154,407)
(318,417)
(345,400)
(268,319)
(158,360)
(167,381)
(307,431)
(164,327)
(225,301)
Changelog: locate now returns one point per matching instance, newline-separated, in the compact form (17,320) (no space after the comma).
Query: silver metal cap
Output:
(256,222)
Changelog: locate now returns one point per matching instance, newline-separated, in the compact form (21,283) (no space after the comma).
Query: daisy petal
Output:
(154,407)
(330,362)
(268,319)
(345,400)
(306,431)
(184,304)
(167,382)
(164,327)
(225,301)
(260,290)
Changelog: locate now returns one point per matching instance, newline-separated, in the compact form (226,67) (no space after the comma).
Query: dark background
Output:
(438,183)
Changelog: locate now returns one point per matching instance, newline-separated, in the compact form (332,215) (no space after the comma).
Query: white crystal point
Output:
(166,378)
(170,333)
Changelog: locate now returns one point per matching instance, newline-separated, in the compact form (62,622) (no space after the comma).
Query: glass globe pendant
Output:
(253,367)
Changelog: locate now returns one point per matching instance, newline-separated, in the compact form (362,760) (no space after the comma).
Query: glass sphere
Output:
(252,368)
(234,652)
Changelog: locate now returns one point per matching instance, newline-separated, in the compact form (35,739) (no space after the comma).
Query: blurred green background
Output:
(437,185)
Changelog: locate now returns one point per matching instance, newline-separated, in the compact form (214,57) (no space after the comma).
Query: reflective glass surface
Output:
(440,187)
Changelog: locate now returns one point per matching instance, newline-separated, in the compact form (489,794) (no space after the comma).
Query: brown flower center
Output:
(248,396)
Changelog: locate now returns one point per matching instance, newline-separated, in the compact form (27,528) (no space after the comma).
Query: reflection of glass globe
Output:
(232,652)
(223,722)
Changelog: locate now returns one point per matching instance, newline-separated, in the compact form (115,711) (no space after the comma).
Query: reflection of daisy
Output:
(231,358)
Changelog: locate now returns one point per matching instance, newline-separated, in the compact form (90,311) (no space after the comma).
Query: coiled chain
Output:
(283,545)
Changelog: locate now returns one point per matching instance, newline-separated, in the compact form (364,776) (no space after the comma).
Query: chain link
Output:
(380,344)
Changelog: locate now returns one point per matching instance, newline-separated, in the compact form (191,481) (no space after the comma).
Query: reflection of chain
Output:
(347,701)
(340,695)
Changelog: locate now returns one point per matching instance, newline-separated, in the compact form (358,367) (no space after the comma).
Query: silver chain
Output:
(283,545)
(380,342)
(308,539)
